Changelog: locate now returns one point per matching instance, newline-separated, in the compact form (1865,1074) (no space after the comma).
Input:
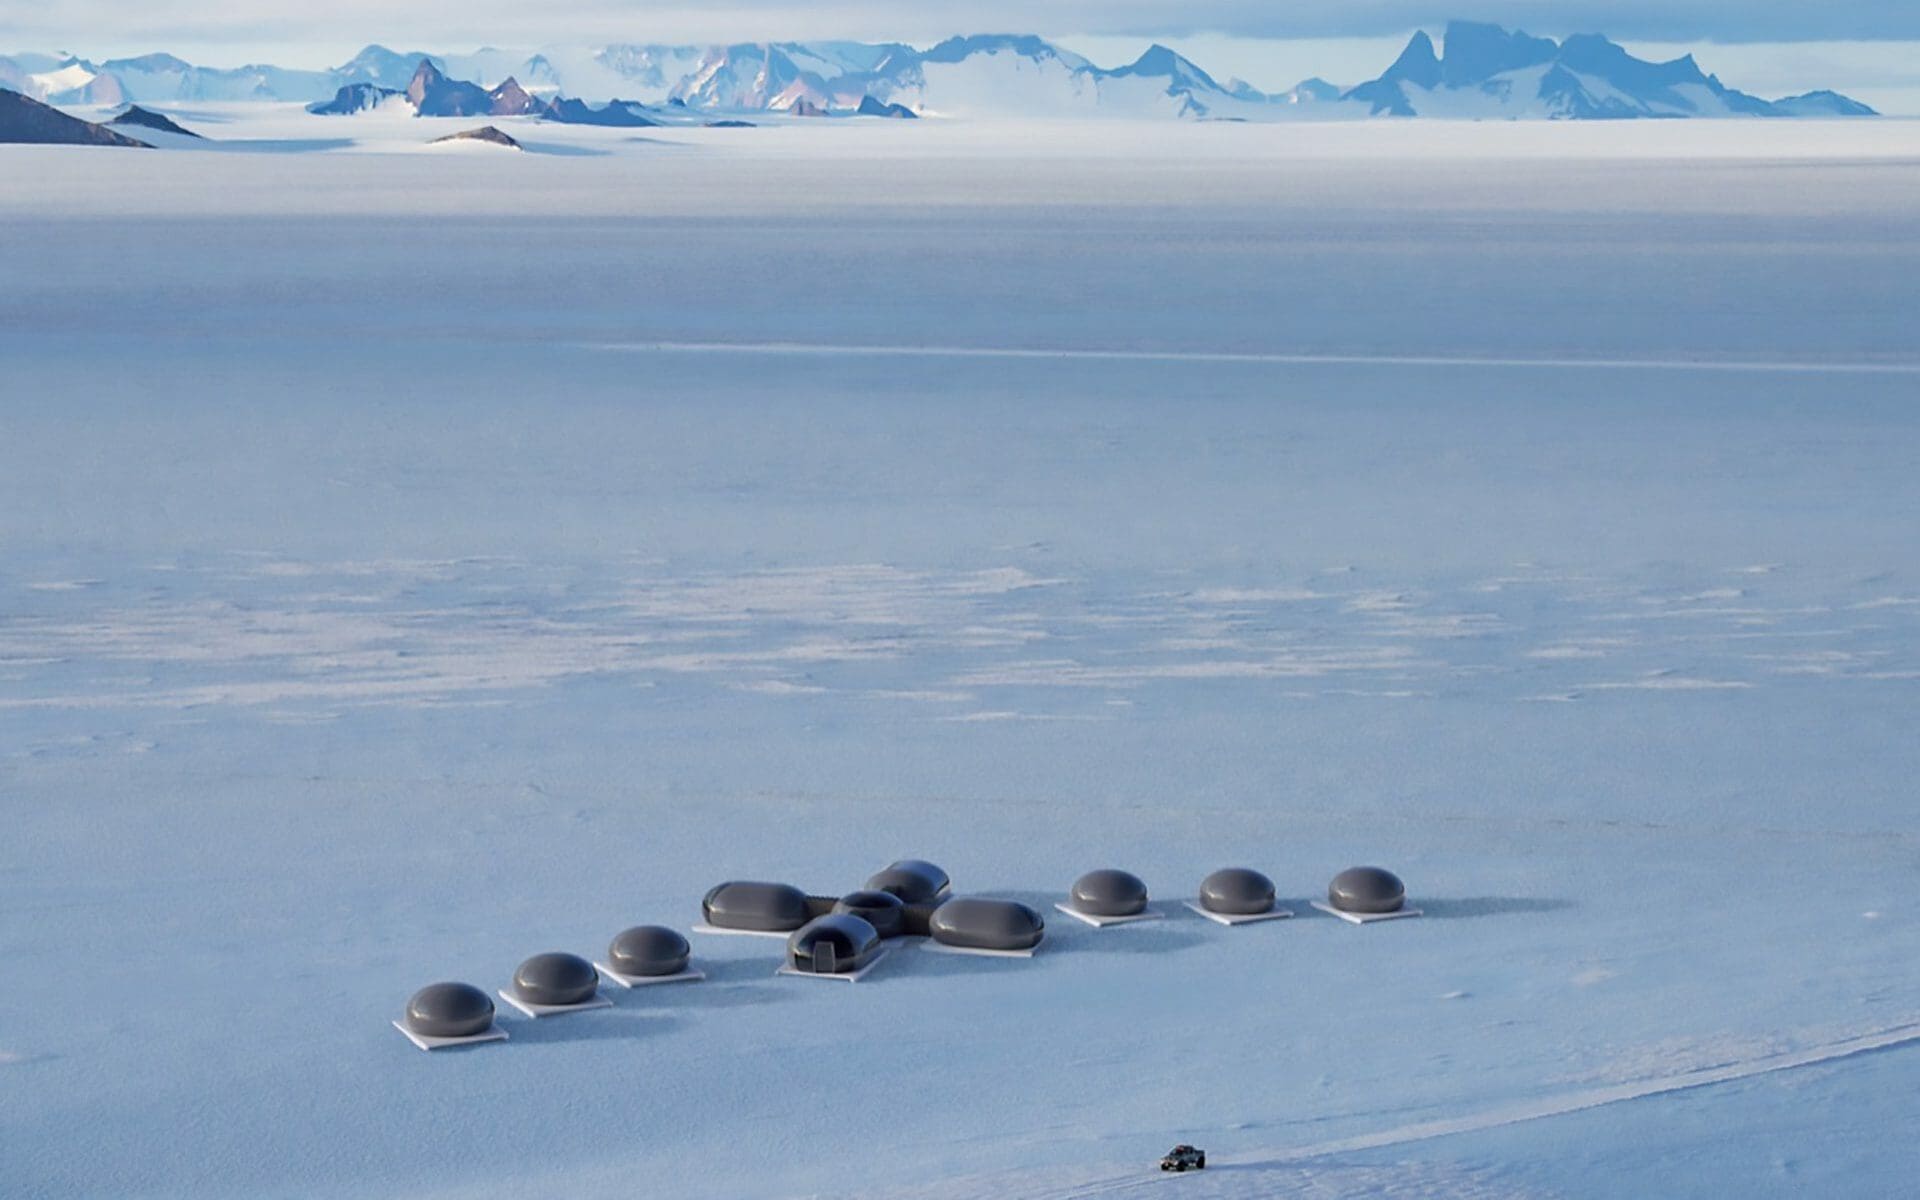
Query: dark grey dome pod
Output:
(648,950)
(1109,893)
(1366,890)
(1236,892)
(836,944)
(914,880)
(449,1010)
(882,910)
(766,907)
(978,923)
(556,978)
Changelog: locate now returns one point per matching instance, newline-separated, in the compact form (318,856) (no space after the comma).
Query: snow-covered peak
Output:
(150,63)
(379,65)
(1822,103)
(1489,72)
(959,49)
(1159,62)
(1475,70)
(750,75)
(1476,52)
(657,68)
(1418,63)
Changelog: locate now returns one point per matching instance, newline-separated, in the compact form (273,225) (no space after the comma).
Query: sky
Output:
(286,24)
(1868,48)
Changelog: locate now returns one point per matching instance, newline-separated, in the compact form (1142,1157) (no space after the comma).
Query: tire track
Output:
(1889,1038)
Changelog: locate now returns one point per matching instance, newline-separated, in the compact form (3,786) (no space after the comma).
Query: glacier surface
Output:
(410,562)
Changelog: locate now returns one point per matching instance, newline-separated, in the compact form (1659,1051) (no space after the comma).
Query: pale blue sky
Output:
(286,23)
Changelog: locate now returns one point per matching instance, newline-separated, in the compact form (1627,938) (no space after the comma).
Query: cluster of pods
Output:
(842,936)
(453,1013)
(839,935)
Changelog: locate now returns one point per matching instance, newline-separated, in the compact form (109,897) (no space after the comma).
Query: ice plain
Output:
(410,562)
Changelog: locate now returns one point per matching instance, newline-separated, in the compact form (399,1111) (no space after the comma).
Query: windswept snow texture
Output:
(393,587)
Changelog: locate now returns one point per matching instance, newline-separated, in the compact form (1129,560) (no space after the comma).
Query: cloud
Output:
(344,24)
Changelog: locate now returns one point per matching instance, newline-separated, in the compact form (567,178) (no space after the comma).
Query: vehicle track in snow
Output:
(1572,1102)
(1260,1163)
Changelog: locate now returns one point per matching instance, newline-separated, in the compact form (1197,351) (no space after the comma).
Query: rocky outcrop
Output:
(353,98)
(141,118)
(25,121)
(869,107)
(621,114)
(486,133)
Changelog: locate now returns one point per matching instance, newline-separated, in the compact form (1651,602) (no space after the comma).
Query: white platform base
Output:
(1272,914)
(690,975)
(553,1010)
(848,977)
(1363,918)
(703,927)
(493,1033)
(1150,914)
(943,948)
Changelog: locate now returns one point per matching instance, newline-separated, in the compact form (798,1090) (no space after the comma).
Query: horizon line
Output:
(1258,358)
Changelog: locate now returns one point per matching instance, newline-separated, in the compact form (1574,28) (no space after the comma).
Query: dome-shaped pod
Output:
(648,950)
(1236,892)
(766,907)
(836,944)
(1109,893)
(556,978)
(882,910)
(449,1010)
(979,923)
(1367,890)
(914,880)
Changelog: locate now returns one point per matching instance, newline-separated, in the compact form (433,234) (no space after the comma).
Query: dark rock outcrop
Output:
(353,98)
(869,107)
(144,119)
(434,95)
(622,114)
(512,100)
(25,121)
(486,133)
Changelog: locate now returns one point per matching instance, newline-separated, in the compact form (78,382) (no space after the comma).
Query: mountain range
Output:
(1477,71)
(430,93)
(1487,71)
